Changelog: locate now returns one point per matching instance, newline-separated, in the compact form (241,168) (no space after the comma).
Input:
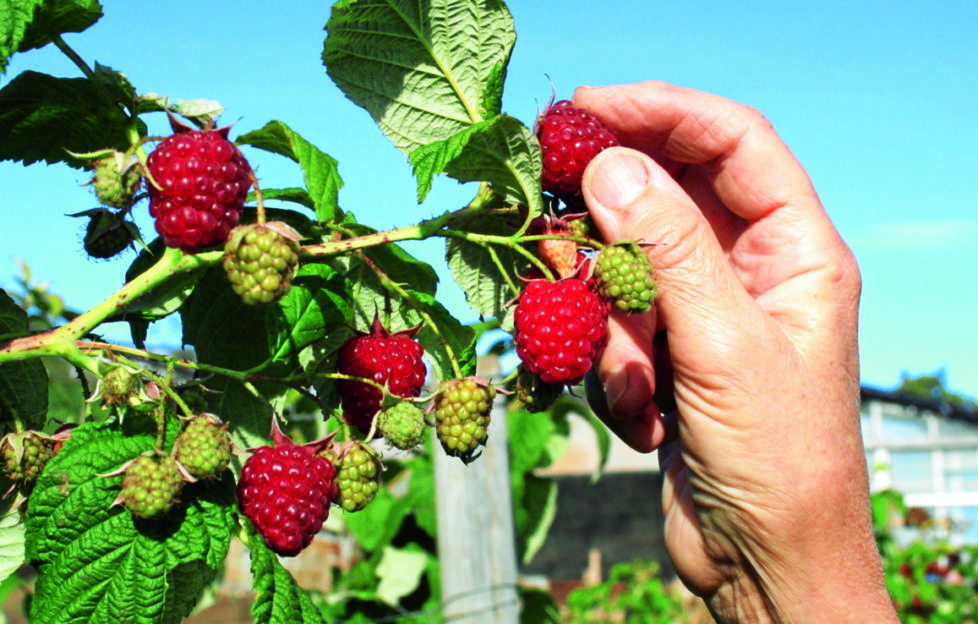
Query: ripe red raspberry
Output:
(286,490)
(569,137)
(203,182)
(393,360)
(561,329)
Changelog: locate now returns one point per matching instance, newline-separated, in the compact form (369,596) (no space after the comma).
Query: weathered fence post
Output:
(476,537)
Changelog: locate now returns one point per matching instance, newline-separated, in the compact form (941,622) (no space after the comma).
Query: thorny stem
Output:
(60,341)
(404,294)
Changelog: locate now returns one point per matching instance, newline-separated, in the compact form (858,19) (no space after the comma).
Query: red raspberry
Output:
(561,329)
(393,360)
(569,137)
(286,491)
(203,182)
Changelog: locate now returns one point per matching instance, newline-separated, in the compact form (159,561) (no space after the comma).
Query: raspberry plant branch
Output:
(61,340)
(397,289)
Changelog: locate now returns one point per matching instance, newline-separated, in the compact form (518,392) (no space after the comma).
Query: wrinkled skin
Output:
(745,375)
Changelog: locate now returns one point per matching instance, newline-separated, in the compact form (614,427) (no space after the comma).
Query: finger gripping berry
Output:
(570,137)
(391,359)
(286,492)
(462,409)
(623,275)
(202,181)
(151,485)
(561,329)
(260,263)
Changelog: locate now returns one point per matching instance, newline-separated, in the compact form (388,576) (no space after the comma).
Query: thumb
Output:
(708,314)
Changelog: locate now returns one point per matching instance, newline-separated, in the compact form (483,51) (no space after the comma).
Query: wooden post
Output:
(476,536)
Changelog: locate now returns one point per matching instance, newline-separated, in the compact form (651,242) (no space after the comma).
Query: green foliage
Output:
(932,387)
(432,75)
(929,580)
(633,594)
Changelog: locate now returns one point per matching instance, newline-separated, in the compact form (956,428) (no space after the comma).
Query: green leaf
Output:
(540,501)
(480,276)
(314,307)
(14,20)
(400,572)
(295,195)
(421,69)
(320,169)
(11,542)
(375,525)
(55,17)
(502,151)
(45,118)
(200,111)
(95,562)
(279,598)
(23,384)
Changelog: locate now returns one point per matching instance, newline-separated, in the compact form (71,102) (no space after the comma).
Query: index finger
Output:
(752,171)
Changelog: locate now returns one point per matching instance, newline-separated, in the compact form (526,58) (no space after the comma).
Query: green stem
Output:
(73,56)
(60,342)
(396,288)
(425,229)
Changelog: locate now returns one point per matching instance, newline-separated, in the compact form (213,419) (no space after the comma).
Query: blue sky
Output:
(877,99)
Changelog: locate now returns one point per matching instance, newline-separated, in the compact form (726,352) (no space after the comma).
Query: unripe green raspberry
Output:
(25,454)
(151,485)
(117,178)
(533,394)
(462,410)
(120,385)
(623,275)
(358,474)
(403,425)
(204,448)
(260,261)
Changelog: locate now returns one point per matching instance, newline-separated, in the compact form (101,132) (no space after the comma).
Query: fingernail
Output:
(617,177)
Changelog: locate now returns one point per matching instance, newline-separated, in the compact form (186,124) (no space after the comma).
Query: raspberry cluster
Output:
(201,182)
(462,409)
(570,138)
(561,329)
(623,275)
(391,359)
(286,492)
(260,262)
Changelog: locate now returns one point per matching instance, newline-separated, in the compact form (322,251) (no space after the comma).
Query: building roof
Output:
(932,404)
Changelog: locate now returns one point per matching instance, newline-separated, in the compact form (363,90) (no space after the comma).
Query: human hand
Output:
(754,337)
